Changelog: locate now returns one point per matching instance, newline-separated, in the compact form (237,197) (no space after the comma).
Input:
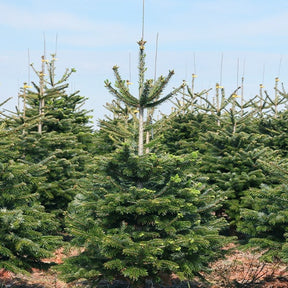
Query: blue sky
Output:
(193,36)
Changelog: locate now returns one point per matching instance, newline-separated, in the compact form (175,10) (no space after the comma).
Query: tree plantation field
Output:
(197,195)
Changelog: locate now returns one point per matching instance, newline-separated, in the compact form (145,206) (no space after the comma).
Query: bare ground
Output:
(240,269)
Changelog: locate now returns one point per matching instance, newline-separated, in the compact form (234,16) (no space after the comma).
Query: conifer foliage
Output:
(146,214)
(149,92)
(264,213)
(44,149)
(62,135)
(243,154)
(136,232)
(137,215)
(27,231)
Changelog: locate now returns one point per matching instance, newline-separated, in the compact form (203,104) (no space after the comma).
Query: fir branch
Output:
(130,101)
(165,98)
(121,84)
(159,86)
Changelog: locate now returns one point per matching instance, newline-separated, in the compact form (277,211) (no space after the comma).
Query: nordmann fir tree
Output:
(264,213)
(232,161)
(65,137)
(133,232)
(146,216)
(276,128)
(27,231)
(149,92)
(264,210)
(230,148)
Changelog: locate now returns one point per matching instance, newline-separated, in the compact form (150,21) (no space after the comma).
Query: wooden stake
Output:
(276,96)
(156,55)
(143,9)
(41,94)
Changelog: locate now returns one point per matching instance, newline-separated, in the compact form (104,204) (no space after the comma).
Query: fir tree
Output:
(149,92)
(230,145)
(65,136)
(145,214)
(264,213)
(137,233)
(181,133)
(276,128)
(27,232)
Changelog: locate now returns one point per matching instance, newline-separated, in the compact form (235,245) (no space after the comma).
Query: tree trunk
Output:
(141,131)
(147,141)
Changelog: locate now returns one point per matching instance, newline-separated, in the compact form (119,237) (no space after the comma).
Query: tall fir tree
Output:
(264,213)
(133,232)
(230,144)
(149,93)
(146,214)
(63,134)
(27,231)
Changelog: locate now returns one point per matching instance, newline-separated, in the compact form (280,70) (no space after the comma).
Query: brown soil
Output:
(244,269)
(240,269)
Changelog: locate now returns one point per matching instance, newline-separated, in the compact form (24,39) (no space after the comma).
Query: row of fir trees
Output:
(140,198)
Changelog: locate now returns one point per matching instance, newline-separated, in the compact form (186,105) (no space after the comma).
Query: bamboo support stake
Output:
(24,100)
(41,94)
(156,57)
(194,75)
(261,98)
(193,84)
(141,44)
(151,110)
(219,86)
(242,95)
(25,86)
(217,103)
(242,88)
(276,96)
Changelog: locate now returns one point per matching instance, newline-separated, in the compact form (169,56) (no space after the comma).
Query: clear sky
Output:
(250,36)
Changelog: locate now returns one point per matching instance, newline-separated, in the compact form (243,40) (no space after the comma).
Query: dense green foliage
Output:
(27,231)
(137,208)
(64,137)
(243,155)
(147,215)
(43,165)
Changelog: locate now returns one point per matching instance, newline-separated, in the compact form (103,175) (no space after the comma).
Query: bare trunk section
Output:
(141,131)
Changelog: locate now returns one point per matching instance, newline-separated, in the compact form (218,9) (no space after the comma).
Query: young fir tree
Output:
(276,128)
(232,162)
(264,209)
(230,148)
(134,232)
(145,215)
(149,93)
(27,232)
(196,115)
(62,134)
(264,215)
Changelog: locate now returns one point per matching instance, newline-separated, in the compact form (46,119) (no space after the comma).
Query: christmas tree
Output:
(146,215)
(62,134)
(27,231)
